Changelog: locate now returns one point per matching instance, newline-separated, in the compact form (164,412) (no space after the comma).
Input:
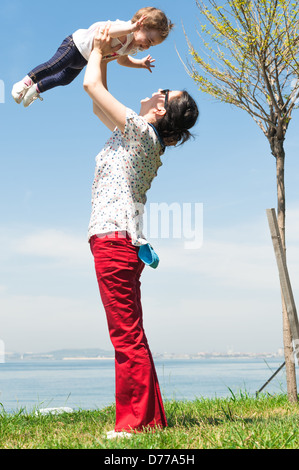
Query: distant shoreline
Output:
(86,358)
(101,355)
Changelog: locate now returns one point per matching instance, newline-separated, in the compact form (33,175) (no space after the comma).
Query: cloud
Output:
(44,322)
(56,245)
(240,256)
(243,265)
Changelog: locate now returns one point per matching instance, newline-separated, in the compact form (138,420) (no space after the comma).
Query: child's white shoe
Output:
(31,95)
(19,90)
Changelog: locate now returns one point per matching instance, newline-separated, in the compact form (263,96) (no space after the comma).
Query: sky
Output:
(218,293)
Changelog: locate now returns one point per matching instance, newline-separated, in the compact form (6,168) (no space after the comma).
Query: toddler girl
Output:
(148,27)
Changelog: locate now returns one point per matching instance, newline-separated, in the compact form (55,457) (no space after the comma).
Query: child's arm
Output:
(117,30)
(128,61)
(112,112)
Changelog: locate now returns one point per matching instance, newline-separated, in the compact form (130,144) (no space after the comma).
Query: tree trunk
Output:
(278,152)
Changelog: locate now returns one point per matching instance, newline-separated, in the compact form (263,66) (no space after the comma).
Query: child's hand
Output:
(102,41)
(146,63)
(136,26)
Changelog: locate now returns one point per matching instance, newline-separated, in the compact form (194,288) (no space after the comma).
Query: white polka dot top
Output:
(125,169)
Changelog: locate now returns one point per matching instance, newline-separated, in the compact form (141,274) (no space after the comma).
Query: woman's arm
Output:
(108,108)
(96,109)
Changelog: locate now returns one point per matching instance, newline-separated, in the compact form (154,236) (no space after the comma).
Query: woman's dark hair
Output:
(181,114)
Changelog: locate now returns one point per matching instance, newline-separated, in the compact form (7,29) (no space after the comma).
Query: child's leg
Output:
(48,75)
(62,78)
(64,66)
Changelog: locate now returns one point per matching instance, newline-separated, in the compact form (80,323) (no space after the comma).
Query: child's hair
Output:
(155,19)
(181,114)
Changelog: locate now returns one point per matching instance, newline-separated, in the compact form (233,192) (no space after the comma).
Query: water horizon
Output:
(89,384)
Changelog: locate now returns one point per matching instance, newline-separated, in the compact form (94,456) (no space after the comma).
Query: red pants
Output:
(137,393)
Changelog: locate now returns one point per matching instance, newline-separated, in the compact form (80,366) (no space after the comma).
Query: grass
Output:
(237,422)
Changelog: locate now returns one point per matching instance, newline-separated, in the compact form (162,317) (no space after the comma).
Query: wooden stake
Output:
(284,278)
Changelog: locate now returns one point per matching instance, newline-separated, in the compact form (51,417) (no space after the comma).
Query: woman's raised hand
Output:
(102,41)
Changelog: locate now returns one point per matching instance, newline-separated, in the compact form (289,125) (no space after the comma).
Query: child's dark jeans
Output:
(62,69)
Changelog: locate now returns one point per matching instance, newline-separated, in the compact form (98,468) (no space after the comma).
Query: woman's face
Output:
(144,39)
(157,101)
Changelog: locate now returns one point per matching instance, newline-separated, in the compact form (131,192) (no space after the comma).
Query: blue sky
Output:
(223,295)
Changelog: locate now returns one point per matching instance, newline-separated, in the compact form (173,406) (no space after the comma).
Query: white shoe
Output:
(19,90)
(114,434)
(31,95)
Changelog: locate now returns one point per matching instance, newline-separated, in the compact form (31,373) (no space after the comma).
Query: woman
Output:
(125,169)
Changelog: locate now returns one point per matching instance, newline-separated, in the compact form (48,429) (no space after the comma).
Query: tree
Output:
(250,60)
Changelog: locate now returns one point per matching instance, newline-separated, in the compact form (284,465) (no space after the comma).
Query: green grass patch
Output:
(242,422)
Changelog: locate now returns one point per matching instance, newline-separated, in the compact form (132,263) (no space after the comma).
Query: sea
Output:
(31,385)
